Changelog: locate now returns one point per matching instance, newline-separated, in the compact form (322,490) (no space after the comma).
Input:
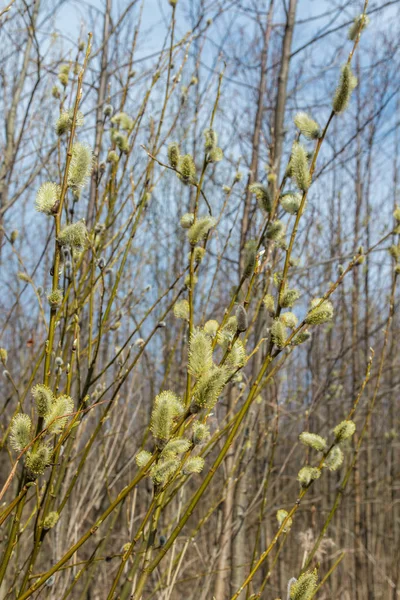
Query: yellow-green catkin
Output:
(269,303)
(198,254)
(289,319)
(120,140)
(281,515)
(278,333)
(181,310)
(173,153)
(73,235)
(344,431)
(275,230)
(65,120)
(250,258)
(187,169)
(307,475)
(47,198)
(208,389)
(199,230)
(334,459)
(211,327)
(51,520)
(290,202)
(237,355)
(176,446)
(200,433)
(142,458)
(313,440)
(305,586)
(3,356)
(163,470)
(123,120)
(347,83)
(262,195)
(38,459)
(60,412)
(55,298)
(215,155)
(320,312)
(63,75)
(194,464)
(80,167)
(187,220)
(300,170)
(200,353)
(307,126)
(210,139)
(167,406)
(20,431)
(360,23)
(43,398)
(288,298)
(112,157)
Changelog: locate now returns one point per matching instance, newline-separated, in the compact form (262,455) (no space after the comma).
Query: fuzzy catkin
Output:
(313,440)
(300,170)
(199,230)
(347,83)
(304,587)
(43,398)
(307,126)
(262,195)
(47,198)
(173,153)
(200,353)
(241,318)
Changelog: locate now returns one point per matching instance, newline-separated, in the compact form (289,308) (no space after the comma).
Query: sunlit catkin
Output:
(200,353)
(47,198)
(307,126)
(38,459)
(187,169)
(347,83)
(305,586)
(334,459)
(200,433)
(142,458)
(290,202)
(167,406)
(313,441)
(55,298)
(187,220)
(307,475)
(59,414)
(176,446)
(300,170)
(123,120)
(73,235)
(199,230)
(344,431)
(289,319)
(194,464)
(163,470)
(320,312)
(80,167)
(278,333)
(181,310)
(281,515)
(43,398)
(208,389)
(20,432)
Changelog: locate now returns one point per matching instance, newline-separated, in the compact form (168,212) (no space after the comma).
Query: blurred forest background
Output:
(118,341)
